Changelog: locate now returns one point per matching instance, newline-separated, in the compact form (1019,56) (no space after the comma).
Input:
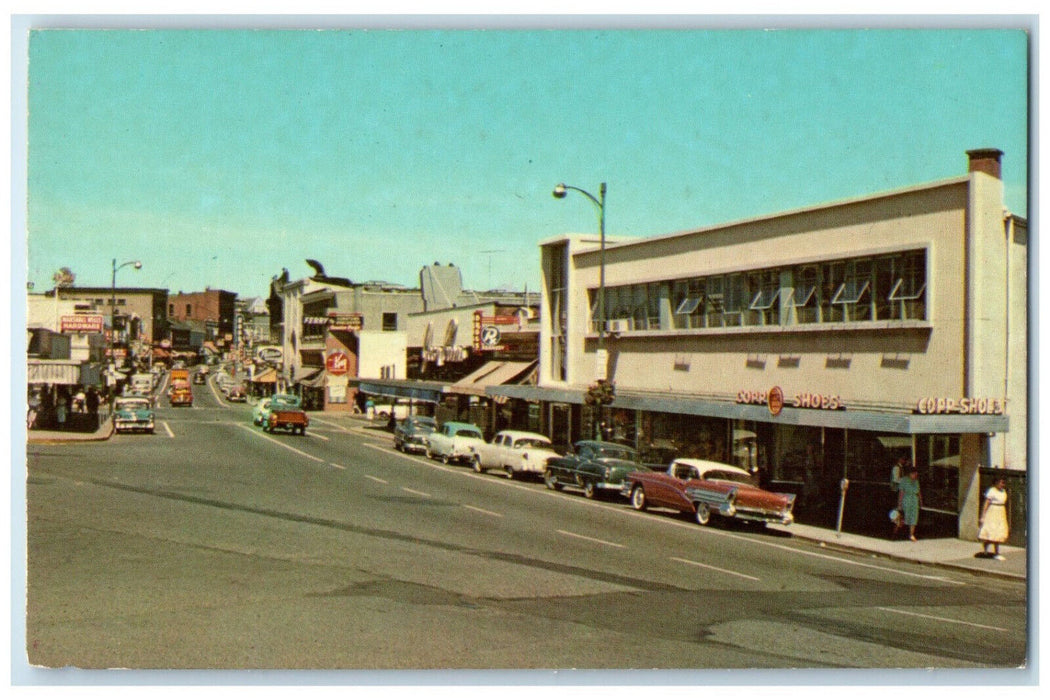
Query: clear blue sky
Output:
(219,157)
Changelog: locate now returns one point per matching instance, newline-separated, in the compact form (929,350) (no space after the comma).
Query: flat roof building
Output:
(811,346)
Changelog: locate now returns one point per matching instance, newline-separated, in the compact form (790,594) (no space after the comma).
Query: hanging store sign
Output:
(775,400)
(81,324)
(964,406)
(487,332)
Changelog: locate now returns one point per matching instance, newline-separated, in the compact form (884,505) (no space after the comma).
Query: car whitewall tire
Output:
(638,501)
(550,481)
(703,513)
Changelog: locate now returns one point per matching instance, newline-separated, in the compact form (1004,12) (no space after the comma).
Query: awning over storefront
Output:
(268,376)
(492,373)
(903,423)
(416,390)
(310,377)
(53,372)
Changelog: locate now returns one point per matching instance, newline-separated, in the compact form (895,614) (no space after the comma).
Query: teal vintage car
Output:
(133,414)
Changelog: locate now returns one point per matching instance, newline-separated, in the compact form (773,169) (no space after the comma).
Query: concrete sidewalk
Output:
(945,552)
(50,437)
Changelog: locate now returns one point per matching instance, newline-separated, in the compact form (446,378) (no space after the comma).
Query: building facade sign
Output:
(337,363)
(775,400)
(964,406)
(82,324)
(346,322)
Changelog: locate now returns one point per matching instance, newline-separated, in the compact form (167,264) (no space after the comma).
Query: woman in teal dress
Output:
(909,501)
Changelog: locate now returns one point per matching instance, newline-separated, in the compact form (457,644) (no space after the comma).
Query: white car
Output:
(515,452)
(453,442)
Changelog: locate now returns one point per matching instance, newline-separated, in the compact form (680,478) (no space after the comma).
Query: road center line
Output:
(590,539)
(215,392)
(278,442)
(376,478)
(413,491)
(167,428)
(482,510)
(943,619)
(715,568)
(337,466)
(315,435)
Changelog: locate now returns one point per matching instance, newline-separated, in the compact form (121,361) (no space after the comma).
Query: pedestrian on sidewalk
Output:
(995,528)
(909,501)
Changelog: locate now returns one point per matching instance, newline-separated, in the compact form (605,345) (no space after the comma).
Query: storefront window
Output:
(937,457)
(666,436)
(871,456)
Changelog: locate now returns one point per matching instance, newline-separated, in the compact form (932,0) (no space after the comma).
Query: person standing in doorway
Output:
(92,406)
(61,411)
(995,528)
(909,502)
(897,473)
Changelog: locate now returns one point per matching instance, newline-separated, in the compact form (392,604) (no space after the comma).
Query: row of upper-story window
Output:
(873,288)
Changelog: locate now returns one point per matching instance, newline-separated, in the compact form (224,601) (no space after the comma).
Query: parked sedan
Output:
(453,441)
(410,435)
(515,452)
(705,488)
(593,466)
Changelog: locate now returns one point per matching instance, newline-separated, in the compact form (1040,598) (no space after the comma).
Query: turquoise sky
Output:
(219,157)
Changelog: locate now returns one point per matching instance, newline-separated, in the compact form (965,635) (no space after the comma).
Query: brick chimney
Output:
(986,160)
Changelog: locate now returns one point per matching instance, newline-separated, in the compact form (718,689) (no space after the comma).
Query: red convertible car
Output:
(708,488)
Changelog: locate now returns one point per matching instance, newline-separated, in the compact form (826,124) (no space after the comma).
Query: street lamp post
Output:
(599,202)
(137,264)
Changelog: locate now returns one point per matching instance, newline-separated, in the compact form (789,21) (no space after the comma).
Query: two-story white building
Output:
(812,346)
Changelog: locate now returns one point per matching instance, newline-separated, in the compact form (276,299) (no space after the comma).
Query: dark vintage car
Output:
(411,433)
(593,466)
(237,394)
(705,488)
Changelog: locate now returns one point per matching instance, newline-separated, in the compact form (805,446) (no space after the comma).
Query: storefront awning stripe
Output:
(51,372)
(490,374)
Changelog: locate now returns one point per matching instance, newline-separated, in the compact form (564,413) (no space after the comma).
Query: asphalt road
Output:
(213,545)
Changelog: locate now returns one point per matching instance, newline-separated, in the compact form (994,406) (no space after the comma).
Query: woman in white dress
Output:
(994,527)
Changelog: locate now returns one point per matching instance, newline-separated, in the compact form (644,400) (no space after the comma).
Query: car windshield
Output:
(132,404)
(532,442)
(468,432)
